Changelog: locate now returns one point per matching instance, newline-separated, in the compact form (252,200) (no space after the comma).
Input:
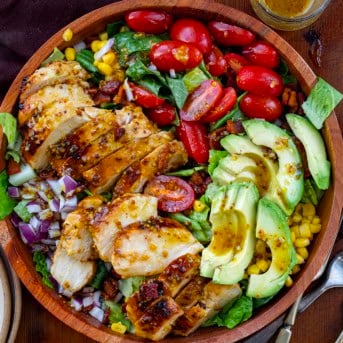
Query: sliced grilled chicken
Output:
(35,104)
(147,248)
(213,298)
(166,157)
(55,73)
(103,176)
(122,211)
(158,319)
(69,272)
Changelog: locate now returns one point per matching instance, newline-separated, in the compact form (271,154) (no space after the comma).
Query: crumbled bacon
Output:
(109,87)
(110,288)
(199,182)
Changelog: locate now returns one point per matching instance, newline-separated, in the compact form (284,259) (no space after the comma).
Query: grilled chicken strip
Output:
(166,157)
(128,209)
(146,248)
(54,73)
(103,176)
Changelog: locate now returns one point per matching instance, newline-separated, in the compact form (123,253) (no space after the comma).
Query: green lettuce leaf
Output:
(116,314)
(9,126)
(22,211)
(42,268)
(6,203)
(56,55)
(240,311)
(130,285)
(178,90)
(214,158)
(100,275)
(194,78)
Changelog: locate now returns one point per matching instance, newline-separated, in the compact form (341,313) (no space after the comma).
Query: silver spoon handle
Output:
(309,298)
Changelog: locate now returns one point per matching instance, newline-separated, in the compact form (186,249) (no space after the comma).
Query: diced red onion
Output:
(55,226)
(55,186)
(54,282)
(48,241)
(64,215)
(70,204)
(76,303)
(65,292)
(87,301)
(172,73)
(152,67)
(45,225)
(97,313)
(118,297)
(13,192)
(96,298)
(33,207)
(62,201)
(128,91)
(37,247)
(88,289)
(54,233)
(104,50)
(43,195)
(68,184)
(79,46)
(35,223)
(28,233)
(46,214)
(15,219)
(54,205)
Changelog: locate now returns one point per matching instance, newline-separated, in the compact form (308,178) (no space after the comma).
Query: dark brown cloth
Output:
(26,24)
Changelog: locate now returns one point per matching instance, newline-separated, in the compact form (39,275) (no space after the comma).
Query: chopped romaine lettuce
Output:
(56,55)
(100,275)
(194,78)
(116,314)
(130,285)
(215,157)
(42,268)
(6,203)
(9,126)
(138,70)
(22,211)
(178,90)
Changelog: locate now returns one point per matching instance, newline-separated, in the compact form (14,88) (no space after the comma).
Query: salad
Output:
(165,173)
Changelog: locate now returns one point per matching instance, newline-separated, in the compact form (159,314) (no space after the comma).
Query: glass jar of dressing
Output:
(289,15)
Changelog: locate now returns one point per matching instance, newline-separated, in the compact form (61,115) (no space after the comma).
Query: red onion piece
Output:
(96,298)
(33,207)
(55,186)
(13,192)
(76,303)
(54,205)
(97,313)
(68,184)
(87,301)
(28,233)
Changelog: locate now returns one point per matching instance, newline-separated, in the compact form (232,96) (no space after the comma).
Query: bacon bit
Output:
(91,91)
(109,87)
(293,100)
(110,288)
(199,182)
(13,167)
(231,79)
(302,152)
(234,127)
(120,97)
(101,98)
(215,137)
(107,313)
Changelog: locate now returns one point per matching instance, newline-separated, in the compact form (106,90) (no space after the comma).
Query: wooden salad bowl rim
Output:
(329,210)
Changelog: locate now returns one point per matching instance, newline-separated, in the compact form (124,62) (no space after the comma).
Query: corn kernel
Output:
(198,206)
(260,247)
(302,242)
(315,228)
(304,230)
(119,75)
(289,282)
(293,236)
(263,265)
(296,269)
(105,69)
(296,231)
(96,45)
(109,58)
(308,210)
(306,220)
(300,259)
(96,63)
(70,54)
(253,269)
(67,35)
(118,327)
(103,35)
(316,220)
(296,218)
(299,208)
(303,252)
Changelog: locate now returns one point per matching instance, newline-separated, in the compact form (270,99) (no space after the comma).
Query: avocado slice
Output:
(314,146)
(232,217)
(290,174)
(272,227)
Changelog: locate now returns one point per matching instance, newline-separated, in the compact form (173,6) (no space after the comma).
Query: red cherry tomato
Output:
(222,106)
(144,97)
(215,62)
(162,115)
(261,106)
(228,35)
(13,167)
(175,55)
(173,194)
(235,61)
(194,137)
(201,100)
(259,80)
(192,31)
(262,54)
(149,21)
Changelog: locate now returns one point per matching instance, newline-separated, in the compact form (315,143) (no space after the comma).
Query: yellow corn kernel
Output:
(103,35)
(309,210)
(299,208)
(293,236)
(304,230)
(263,265)
(260,247)
(96,45)
(198,206)
(300,259)
(253,269)
(305,220)
(109,58)
(67,35)
(296,231)
(316,220)
(303,252)
(96,63)
(118,327)
(296,218)
(302,242)
(70,54)
(296,269)
(289,282)
(315,228)
(105,69)
(119,75)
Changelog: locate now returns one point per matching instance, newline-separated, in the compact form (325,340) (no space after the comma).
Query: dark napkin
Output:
(26,24)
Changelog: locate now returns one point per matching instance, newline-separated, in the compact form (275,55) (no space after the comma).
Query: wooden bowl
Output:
(330,207)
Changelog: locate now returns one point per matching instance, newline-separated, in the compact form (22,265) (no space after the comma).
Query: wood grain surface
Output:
(323,321)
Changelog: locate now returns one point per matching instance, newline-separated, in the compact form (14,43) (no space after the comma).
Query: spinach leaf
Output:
(139,70)
(214,158)
(100,275)
(113,28)
(178,90)
(6,203)
(42,268)
(320,103)
(240,311)
(153,86)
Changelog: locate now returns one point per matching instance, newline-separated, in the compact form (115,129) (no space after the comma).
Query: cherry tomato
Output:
(201,100)
(162,115)
(144,97)
(192,31)
(262,54)
(194,137)
(222,106)
(228,35)
(261,106)
(235,61)
(215,62)
(149,21)
(175,55)
(13,167)
(259,80)
(173,194)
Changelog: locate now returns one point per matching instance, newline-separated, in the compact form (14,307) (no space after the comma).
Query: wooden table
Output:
(323,321)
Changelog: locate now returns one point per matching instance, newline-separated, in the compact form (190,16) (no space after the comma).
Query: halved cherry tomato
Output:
(262,54)
(194,137)
(162,115)
(192,31)
(215,62)
(201,100)
(228,35)
(222,106)
(173,193)
(261,106)
(235,61)
(144,97)
(259,80)
(13,167)
(149,21)
(175,55)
